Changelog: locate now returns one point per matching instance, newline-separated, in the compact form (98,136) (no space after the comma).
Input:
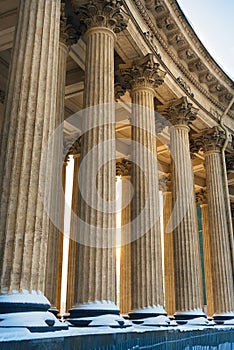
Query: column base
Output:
(28,310)
(95,314)
(149,311)
(151,315)
(54,310)
(195,317)
(226,318)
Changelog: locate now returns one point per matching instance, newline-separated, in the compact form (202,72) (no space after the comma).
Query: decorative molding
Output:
(201,196)
(154,32)
(68,34)
(185,86)
(179,112)
(209,140)
(100,13)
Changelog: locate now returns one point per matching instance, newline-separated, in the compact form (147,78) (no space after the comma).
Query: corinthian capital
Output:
(179,112)
(201,196)
(141,73)
(209,140)
(165,183)
(100,13)
(123,167)
(68,34)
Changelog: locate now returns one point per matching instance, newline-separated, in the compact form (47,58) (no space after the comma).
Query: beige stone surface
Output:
(125,251)
(142,78)
(97,259)
(73,259)
(29,115)
(185,236)
(169,268)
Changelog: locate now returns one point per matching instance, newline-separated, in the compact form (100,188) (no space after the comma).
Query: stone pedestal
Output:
(96,294)
(222,274)
(184,221)
(29,119)
(142,78)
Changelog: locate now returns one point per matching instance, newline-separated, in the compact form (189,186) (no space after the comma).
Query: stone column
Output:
(60,242)
(72,276)
(142,78)
(169,269)
(184,219)
(96,204)
(201,197)
(123,169)
(29,116)
(52,224)
(211,143)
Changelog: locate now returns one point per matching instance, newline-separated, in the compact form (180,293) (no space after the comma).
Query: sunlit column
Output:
(123,169)
(211,143)
(142,78)
(30,117)
(180,113)
(202,199)
(96,294)
(169,273)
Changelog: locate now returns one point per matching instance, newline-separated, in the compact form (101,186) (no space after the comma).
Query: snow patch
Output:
(156,321)
(24,297)
(200,321)
(108,320)
(29,319)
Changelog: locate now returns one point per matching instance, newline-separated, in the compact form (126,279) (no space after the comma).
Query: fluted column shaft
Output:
(185,236)
(141,78)
(73,261)
(207,259)
(220,247)
(60,241)
(97,275)
(29,115)
(169,273)
(125,253)
(54,189)
(146,254)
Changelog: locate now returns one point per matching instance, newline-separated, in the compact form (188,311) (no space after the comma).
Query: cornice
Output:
(199,45)
(155,32)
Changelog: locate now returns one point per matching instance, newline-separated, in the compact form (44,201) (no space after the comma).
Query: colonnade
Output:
(29,253)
